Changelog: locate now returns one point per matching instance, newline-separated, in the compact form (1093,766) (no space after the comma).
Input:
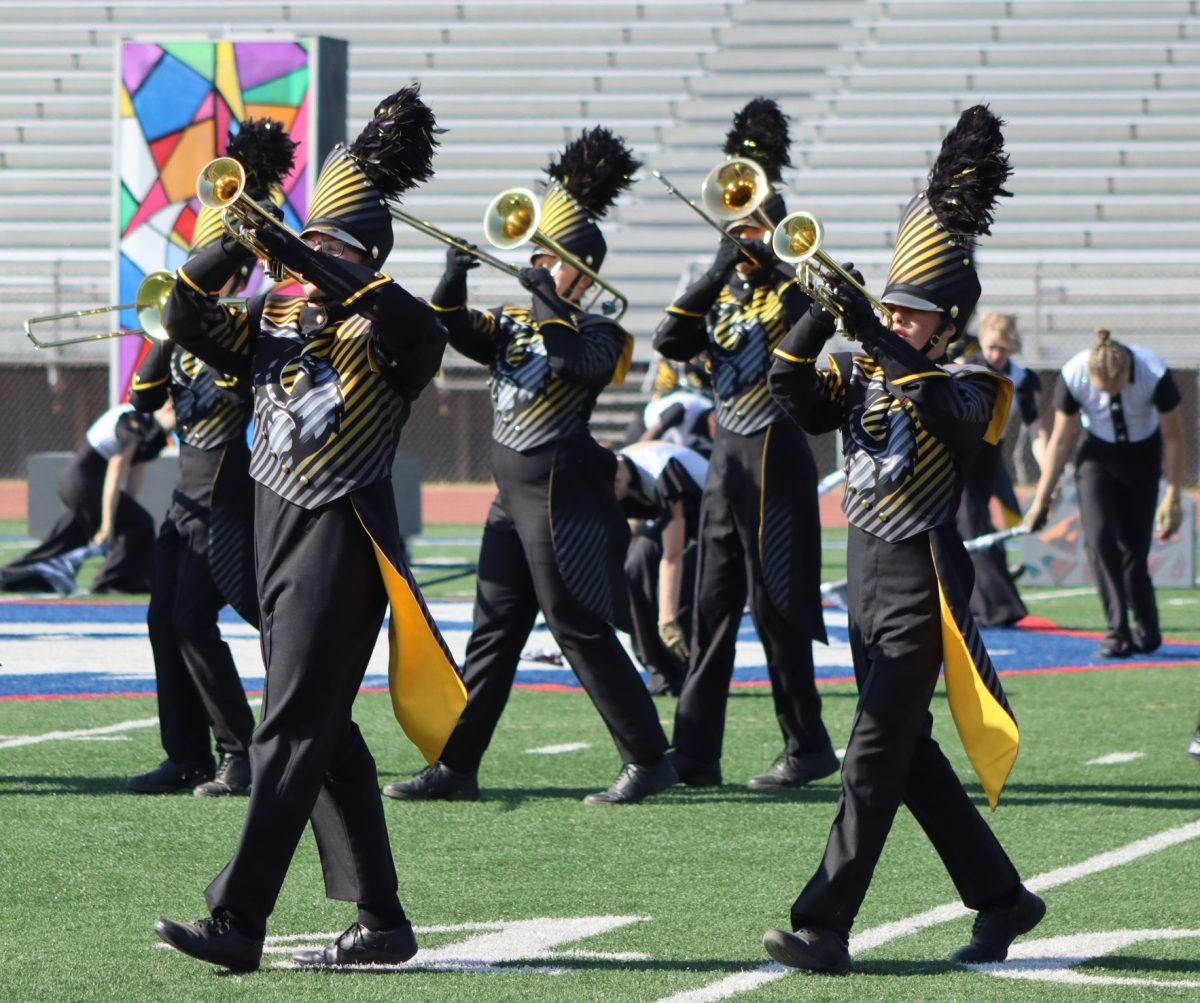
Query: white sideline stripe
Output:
(86,734)
(1115,757)
(554,750)
(744,982)
(1057,594)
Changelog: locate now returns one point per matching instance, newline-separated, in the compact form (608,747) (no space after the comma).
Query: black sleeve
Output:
(814,398)
(151,382)
(1166,393)
(1027,397)
(587,356)
(407,337)
(683,332)
(1063,401)
(670,418)
(197,321)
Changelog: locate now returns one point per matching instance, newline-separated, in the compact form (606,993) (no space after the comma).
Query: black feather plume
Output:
(395,150)
(760,133)
(263,147)
(969,174)
(595,169)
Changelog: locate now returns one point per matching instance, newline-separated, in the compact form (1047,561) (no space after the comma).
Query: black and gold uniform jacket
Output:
(739,325)
(909,426)
(334,381)
(544,375)
(546,369)
(212,505)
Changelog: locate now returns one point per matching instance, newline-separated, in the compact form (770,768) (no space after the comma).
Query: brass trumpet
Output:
(797,240)
(150,298)
(510,220)
(221,185)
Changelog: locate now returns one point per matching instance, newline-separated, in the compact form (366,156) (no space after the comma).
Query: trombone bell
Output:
(150,299)
(734,189)
(511,218)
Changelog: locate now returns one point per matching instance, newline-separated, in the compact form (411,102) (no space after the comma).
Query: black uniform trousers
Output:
(995,601)
(728,566)
(892,758)
(517,575)
(1117,501)
(128,564)
(197,681)
(322,603)
(642,562)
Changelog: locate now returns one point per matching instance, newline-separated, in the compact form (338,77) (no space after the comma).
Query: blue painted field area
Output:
(65,648)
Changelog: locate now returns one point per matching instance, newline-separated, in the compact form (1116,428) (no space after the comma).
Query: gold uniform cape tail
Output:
(427,692)
(986,724)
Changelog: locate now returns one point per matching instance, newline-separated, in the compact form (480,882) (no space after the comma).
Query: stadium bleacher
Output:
(1102,100)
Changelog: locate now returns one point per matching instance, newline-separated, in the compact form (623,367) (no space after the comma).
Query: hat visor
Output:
(332,231)
(910,301)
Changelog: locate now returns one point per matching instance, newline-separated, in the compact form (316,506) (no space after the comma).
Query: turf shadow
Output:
(1155,796)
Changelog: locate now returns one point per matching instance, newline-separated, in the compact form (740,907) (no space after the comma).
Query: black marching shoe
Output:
(1114,647)
(695,772)
(436,783)
(233,777)
(1193,747)
(994,930)
(812,948)
(169,776)
(795,771)
(360,946)
(1143,642)
(213,939)
(636,782)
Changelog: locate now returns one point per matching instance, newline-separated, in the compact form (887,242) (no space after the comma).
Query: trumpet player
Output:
(555,538)
(759,524)
(335,373)
(203,556)
(909,424)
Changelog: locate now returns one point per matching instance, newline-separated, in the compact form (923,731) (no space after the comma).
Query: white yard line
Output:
(84,734)
(557,750)
(1115,757)
(743,982)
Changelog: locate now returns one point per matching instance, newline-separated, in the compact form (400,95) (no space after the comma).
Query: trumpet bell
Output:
(797,237)
(734,189)
(220,183)
(511,218)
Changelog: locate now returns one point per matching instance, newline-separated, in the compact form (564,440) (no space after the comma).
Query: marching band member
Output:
(554,539)
(203,557)
(995,600)
(908,422)
(759,524)
(1127,402)
(660,484)
(335,372)
(99,488)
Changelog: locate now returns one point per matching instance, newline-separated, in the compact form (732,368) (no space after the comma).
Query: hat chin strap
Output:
(935,339)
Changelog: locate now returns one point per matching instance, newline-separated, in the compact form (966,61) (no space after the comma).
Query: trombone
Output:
(510,220)
(150,298)
(734,189)
(797,240)
(222,185)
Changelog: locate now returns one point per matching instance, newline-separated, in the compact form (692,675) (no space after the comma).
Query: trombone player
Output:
(555,538)
(759,524)
(203,556)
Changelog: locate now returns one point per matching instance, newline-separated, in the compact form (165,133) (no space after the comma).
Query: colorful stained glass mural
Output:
(178,102)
